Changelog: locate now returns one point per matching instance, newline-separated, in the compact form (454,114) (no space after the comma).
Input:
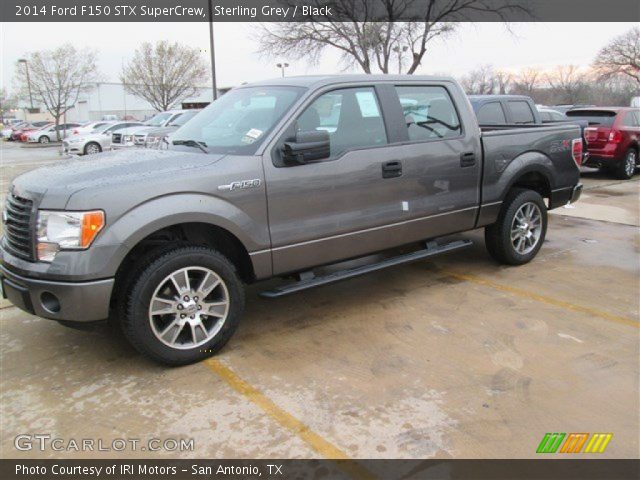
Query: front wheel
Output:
(518,234)
(183,306)
(92,148)
(627,167)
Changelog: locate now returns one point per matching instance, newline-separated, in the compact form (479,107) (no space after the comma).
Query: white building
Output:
(110,98)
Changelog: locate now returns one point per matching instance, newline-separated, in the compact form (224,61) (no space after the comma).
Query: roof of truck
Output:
(494,97)
(316,81)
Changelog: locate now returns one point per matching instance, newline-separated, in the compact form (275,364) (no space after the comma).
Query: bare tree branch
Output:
(620,57)
(57,78)
(164,74)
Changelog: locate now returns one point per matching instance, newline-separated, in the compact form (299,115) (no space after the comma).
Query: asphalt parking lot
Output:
(451,357)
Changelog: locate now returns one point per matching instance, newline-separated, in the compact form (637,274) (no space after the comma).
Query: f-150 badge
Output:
(240,184)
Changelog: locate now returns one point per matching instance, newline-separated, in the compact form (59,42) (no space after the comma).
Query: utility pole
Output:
(26,66)
(213,52)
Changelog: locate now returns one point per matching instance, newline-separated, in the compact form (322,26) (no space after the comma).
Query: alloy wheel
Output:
(526,228)
(189,307)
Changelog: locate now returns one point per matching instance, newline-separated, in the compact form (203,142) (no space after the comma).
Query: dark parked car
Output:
(275,179)
(613,136)
(505,110)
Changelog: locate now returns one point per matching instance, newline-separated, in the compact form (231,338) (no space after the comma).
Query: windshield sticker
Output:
(251,136)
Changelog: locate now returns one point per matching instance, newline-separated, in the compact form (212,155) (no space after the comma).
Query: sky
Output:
(541,45)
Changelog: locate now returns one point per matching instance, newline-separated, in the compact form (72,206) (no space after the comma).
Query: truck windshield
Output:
(238,122)
(158,119)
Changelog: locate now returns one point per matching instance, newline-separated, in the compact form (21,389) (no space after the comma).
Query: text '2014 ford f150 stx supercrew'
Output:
(275,179)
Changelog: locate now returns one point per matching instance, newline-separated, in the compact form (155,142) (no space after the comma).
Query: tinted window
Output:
(521,112)
(594,117)
(491,114)
(630,119)
(352,117)
(545,116)
(429,112)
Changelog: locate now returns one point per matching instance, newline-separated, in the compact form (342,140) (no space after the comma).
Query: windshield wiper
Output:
(192,143)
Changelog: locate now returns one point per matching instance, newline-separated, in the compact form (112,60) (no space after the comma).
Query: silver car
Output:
(50,133)
(96,141)
(137,137)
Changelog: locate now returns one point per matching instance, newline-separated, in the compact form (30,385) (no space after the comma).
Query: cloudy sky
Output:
(532,44)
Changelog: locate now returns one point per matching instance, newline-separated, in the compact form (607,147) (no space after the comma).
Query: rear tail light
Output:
(615,136)
(75,132)
(576,150)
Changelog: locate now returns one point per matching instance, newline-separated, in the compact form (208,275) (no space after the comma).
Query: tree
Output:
(164,74)
(7,103)
(57,77)
(620,57)
(480,81)
(570,82)
(526,81)
(371,37)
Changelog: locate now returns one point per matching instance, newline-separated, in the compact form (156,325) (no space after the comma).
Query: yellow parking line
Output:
(288,421)
(543,299)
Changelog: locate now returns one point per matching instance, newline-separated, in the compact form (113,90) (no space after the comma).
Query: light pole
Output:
(213,52)
(400,51)
(26,66)
(282,66)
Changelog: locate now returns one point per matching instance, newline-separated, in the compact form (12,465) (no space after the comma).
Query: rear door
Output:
(441,160)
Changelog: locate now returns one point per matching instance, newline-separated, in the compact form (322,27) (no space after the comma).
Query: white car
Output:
(137,137)
(48,134)
(97,140)
(90,127)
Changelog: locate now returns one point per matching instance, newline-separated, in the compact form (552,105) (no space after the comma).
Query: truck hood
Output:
(61,180)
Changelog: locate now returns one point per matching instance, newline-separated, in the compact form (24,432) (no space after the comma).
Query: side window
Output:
(630,119)
(351,116)
(429,112)
(557,116)
(491,114)
(545,116)
(521,112)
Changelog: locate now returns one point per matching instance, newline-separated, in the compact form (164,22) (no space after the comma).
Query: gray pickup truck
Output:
(275,179)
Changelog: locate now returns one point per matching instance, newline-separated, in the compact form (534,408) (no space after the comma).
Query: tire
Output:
(626,168)
(528,237)
(184,334)
(44,139)
(92,148)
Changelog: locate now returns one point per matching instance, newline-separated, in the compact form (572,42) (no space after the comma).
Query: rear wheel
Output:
(519,232)
(92,148)
(627,167)
(43,139)
(184,305)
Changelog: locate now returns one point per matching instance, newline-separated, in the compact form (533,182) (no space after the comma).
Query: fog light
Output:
(50,302)
(47,251)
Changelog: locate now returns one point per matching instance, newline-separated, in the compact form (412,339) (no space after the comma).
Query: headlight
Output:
(66,231)
(128,138)
(152,141)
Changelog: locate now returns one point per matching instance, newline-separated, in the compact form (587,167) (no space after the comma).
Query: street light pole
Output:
(282,66)
(213,52)
(26,66)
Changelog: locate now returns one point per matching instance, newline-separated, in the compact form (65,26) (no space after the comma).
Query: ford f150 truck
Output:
(275,179)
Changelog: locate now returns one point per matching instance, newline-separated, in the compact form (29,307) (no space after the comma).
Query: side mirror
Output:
(307,147)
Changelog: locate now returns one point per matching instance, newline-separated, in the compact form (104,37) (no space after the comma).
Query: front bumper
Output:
(72,301)
(72,148)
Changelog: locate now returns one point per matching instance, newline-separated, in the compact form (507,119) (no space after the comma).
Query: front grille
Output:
(139,139)
(116,138)
(19,227)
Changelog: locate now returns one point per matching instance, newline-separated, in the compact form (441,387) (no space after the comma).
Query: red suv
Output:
(613,137)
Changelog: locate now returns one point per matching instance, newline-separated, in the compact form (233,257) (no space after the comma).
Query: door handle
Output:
(467,159)
(391,169)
